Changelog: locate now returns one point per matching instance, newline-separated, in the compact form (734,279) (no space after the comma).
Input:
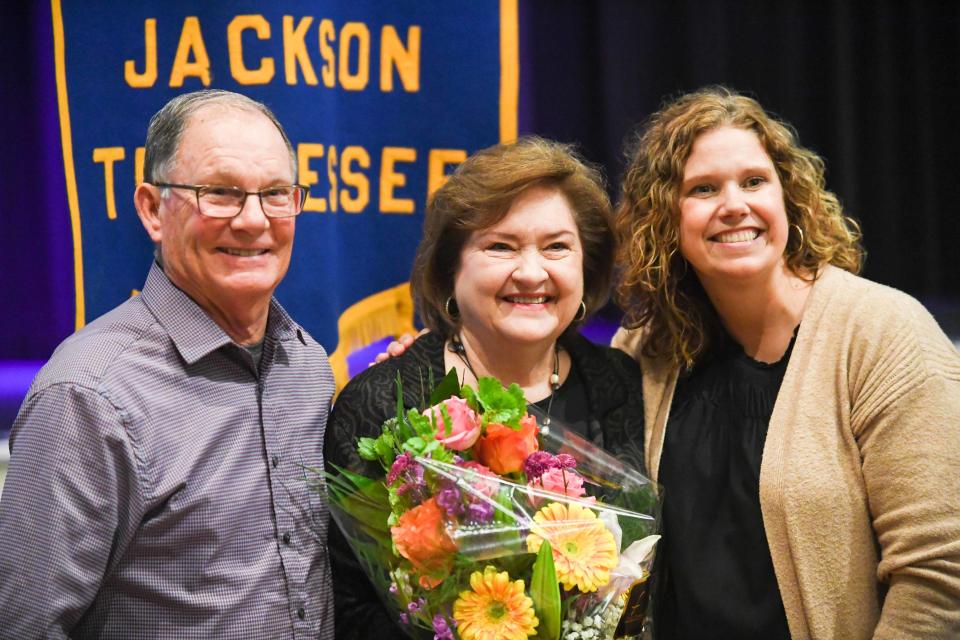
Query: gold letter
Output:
(306,151)
(138,165)
(354,179)
(407,60)
(191,40)
(390,179)
(332,177)
(327,35)
(264,73)
(437,166)
(295,50)
(109,155)
(357,81)
(149,75)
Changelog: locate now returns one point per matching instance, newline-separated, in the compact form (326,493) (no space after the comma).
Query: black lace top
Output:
(718,579)
(602,400)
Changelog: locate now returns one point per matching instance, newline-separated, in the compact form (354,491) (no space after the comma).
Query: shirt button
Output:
(276,461)
(301,613)
(286,538)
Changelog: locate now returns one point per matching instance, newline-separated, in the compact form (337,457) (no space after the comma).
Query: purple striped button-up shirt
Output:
(156,487)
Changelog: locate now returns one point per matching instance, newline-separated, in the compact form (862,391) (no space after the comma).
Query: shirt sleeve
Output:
(70,482)
(906,418)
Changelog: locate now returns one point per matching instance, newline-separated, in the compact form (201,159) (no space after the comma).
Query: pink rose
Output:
(464,427)
(482,480)
(563,481)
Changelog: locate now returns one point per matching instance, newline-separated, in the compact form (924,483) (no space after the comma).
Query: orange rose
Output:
(421,538)
(504,449)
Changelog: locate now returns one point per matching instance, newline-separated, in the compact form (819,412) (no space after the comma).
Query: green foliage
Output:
(504,406)
(448,387)
(367,448)
(360,497)
(468,394)
(420,424)
(639,500)
(545,593)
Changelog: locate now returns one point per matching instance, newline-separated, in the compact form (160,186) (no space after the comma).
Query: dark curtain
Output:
(873,87)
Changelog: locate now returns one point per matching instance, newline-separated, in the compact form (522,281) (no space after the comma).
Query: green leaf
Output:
(505,406)
(361,497)
(384,446)
(414,445)
(399,398)
(448,387)
(421,424)
(367,448)
(545,593)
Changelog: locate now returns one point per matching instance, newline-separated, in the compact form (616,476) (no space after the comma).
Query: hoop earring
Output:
(794,225)
(581,312)
(451,309)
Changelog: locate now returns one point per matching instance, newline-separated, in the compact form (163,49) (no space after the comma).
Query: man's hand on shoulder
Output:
(397,347)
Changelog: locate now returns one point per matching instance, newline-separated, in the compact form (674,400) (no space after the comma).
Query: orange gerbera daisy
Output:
(495,609)
(584,550)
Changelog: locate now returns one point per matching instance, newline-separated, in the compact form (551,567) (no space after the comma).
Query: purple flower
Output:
(414,483)
(393,588)
(479,512)
(401,464)
(538,463)
(404,618)
(416,605)
(566,461)
(449,499)
(441,628)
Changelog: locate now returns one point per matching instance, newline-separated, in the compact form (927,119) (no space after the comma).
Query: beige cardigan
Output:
(860,478)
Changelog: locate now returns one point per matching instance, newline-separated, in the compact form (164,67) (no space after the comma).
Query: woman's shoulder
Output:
(370,398)
(611,378)
(876,328)
(413,367)
(876,311)
(586,353)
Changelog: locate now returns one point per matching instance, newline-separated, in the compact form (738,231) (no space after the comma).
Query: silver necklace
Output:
(456,346)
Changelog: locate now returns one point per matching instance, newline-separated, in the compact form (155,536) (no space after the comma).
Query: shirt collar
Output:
(193,332)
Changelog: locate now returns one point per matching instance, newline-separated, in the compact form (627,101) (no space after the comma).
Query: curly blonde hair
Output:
(658,290)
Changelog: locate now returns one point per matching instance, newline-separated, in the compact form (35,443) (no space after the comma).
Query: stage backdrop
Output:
(381,99)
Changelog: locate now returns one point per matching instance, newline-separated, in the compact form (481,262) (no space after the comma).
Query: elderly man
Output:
(156,487)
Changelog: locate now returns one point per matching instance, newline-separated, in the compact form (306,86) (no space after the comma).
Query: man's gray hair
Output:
(167,126)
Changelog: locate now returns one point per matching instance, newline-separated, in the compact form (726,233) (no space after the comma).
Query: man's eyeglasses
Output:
(216,201)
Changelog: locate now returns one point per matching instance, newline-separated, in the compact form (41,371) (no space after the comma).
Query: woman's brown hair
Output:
(479,194)
(658,290)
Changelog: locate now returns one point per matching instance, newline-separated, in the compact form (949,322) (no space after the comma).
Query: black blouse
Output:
(717,575)
(571,406)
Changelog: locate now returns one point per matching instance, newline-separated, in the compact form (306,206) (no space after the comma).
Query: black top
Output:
(571,405)
(601,399)
(717,576)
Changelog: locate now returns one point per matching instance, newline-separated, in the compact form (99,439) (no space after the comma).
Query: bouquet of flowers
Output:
(491,525)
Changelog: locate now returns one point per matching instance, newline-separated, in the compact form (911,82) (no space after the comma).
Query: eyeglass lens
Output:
(226,202)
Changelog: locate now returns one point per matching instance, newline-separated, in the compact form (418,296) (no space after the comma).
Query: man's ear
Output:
(146,199)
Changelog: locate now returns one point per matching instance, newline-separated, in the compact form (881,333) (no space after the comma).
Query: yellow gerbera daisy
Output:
(584,550)
(495,609)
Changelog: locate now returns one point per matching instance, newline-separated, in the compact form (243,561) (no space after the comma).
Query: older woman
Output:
(518,248)
(803,422)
